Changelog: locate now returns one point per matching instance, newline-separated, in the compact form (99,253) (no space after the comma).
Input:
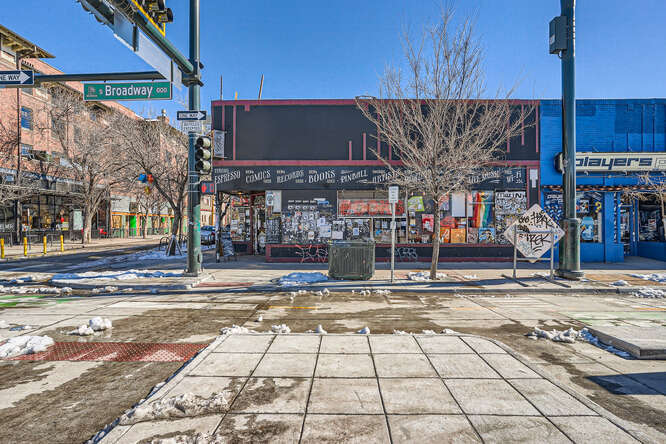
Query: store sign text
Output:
(616,162)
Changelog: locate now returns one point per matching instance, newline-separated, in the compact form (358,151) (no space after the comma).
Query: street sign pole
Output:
(193,198)
(393,199)
(569,260)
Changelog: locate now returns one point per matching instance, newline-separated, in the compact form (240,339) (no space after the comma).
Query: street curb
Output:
(78,250)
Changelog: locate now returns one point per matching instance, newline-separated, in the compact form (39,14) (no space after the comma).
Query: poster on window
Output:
(415,203)
(428,223)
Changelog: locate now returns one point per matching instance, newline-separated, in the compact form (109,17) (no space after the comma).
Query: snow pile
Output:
(234,330)
(119,275)
(95,324)
(620,283)
(399,332)
(470,277)
(24,345)
(655,277)
(180,406)
(34,290)
(650,293)
(568,336)
(429,332)
(364,331)
(383,291)
(295,278)
(324,292)
(423,276)
(3,324)
(280,329)
(320,330)
(260,318)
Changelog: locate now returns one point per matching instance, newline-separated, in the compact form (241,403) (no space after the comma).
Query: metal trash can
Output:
(351,260)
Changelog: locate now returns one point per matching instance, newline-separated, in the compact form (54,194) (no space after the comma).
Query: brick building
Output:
(47,205)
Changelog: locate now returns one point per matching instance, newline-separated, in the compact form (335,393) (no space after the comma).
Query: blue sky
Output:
(337,49)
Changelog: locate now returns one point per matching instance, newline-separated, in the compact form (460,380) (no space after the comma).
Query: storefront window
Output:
(589,209)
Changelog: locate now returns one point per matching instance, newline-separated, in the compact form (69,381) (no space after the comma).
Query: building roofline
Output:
(17,43)
(278,102)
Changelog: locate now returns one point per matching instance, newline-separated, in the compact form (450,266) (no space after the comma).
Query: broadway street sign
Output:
(24,77)
(127,91)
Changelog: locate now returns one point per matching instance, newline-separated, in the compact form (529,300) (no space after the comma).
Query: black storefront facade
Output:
(303,173)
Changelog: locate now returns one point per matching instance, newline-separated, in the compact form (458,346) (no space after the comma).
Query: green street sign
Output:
(127,91)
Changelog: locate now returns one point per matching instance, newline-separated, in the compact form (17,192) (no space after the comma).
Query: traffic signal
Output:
(156,11)
(202,154)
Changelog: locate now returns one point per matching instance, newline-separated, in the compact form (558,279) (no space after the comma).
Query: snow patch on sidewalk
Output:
(650,293)
(423,276)
(24,345)
(280,329)
(34,290)
(94,325)
(235,330)
(120,275)
(181,406)
(293,279)
(654,277)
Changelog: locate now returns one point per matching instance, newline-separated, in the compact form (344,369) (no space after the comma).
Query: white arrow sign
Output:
(16,77)
(191,115)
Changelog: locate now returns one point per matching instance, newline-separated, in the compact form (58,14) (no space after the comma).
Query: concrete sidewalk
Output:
(252,275)
(35,250)
(369,388)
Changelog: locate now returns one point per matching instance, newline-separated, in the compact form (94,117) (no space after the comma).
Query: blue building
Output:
(616,142)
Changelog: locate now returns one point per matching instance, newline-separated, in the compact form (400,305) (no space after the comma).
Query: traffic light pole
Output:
(193,198)
(569,257)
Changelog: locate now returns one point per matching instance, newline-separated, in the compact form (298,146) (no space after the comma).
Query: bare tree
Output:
(84,133)
(156,148)
(437,118)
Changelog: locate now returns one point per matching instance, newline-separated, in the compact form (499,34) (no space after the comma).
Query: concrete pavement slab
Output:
(462,366)
(344,366)
(550,399)
(205,386)
(227,364)
(403,366)
(297,344)
(432,429)
(508,366)
(489,397)
(592,429)
(443,344)
(517,429)
(273,395)
(394,344)
(345,396)
(345,344)
(244,344)
(416,395)
(239,428)
(286,365)
(345,428)
(640,342)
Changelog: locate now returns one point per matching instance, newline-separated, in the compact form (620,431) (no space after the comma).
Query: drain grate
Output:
(115,351)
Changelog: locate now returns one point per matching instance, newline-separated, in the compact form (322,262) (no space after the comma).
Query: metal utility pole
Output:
(563,37)
(193,198)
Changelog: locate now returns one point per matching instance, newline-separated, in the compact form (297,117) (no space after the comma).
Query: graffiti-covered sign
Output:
(533,232)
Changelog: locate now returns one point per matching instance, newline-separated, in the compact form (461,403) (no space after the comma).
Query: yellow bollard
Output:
(62,245)
(2,248)
(44,240)
(25,246)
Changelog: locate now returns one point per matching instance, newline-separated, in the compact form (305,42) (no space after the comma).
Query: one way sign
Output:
(191,115)
(24,77)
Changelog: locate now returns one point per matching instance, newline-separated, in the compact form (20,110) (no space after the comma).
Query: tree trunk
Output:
(87,222)
(435,242)
(175,225)
(144,227)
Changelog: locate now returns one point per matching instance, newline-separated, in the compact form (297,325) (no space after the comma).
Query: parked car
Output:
(207,235)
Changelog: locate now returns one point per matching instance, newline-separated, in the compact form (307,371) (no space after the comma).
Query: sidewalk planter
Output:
(351,260)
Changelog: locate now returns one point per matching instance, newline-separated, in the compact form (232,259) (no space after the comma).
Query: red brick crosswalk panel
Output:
(115,351)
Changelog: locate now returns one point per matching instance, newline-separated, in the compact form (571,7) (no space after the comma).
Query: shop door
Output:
(628,229)
(259,230)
